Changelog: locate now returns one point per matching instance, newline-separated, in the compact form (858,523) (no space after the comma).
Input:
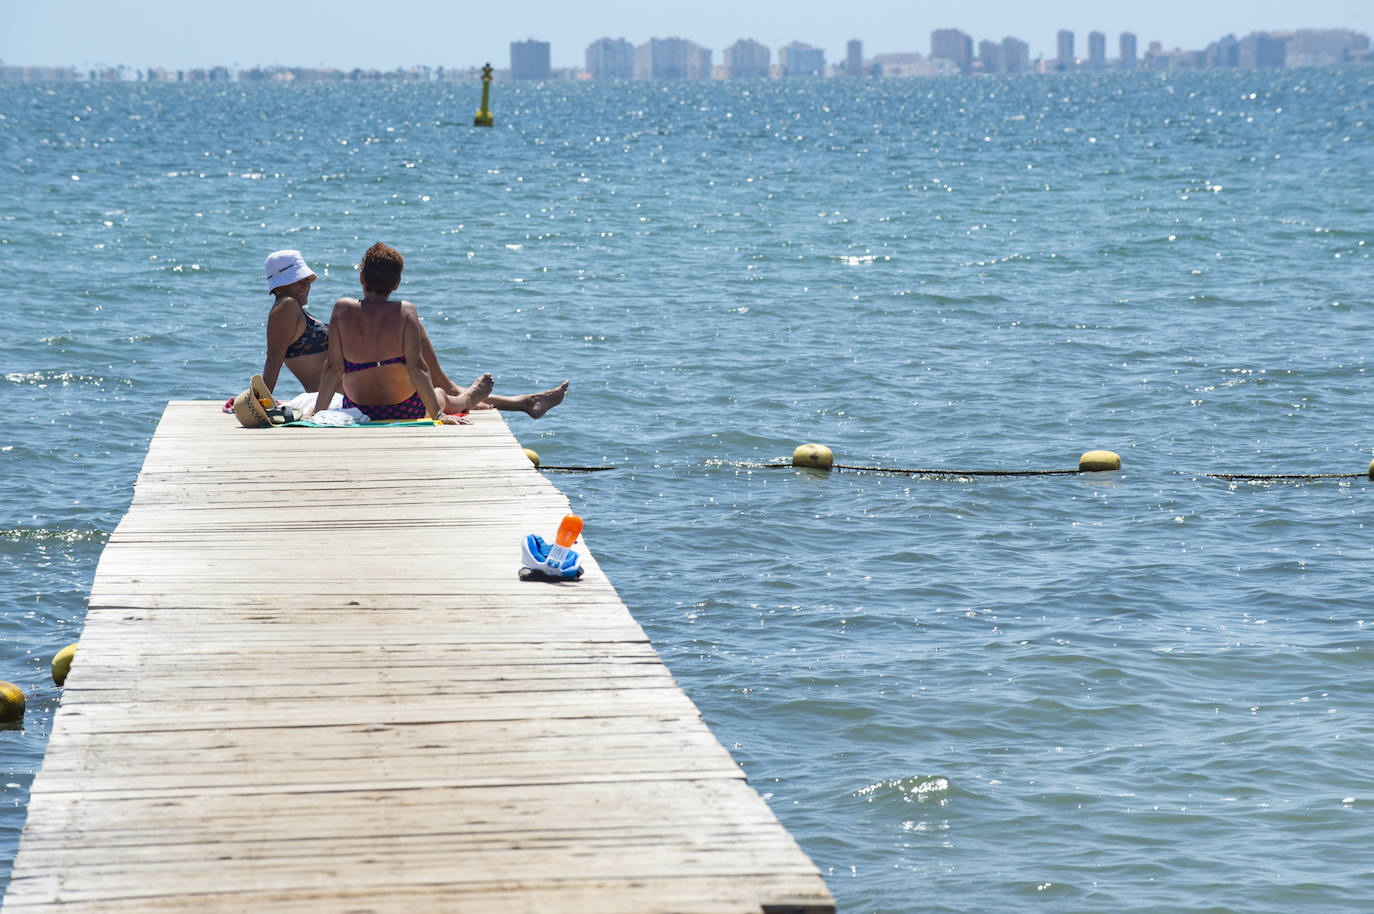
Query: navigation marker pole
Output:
(483,116)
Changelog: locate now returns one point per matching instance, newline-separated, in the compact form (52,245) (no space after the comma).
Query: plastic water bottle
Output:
(568,532)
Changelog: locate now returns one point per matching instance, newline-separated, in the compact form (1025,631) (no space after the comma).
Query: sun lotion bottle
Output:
(568,532)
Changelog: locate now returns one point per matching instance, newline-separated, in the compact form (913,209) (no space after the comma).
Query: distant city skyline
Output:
(404,33)
(952,52)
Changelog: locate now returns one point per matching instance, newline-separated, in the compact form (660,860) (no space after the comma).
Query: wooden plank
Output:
(644,896)
(335,693)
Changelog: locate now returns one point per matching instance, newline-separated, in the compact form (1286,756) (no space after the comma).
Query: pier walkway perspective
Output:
(310,680)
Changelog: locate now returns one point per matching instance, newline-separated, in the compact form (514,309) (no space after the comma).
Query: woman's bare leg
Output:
(466,399)
(532,405)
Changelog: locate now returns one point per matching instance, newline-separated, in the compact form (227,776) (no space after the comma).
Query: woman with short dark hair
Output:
(376,348)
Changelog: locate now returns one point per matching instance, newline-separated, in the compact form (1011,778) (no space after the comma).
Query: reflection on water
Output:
(1108,691)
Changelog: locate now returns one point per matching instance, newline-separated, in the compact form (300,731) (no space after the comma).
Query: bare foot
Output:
(536,405)
(470,398)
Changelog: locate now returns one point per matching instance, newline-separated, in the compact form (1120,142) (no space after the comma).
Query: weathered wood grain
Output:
(310,680)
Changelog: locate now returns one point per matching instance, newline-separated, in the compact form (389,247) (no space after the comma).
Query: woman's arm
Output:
(284,325)
(412,344)
(332,375)
(441,380)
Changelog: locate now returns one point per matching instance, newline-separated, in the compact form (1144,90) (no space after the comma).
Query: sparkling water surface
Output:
(1149,690)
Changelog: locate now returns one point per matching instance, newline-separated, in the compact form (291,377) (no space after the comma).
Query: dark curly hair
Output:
(382,266)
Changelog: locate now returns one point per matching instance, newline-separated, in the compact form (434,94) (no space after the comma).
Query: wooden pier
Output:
(311,681)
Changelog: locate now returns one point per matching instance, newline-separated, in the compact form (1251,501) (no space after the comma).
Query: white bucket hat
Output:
(286,267)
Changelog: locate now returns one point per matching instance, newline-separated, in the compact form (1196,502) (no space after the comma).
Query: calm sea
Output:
(1144,691)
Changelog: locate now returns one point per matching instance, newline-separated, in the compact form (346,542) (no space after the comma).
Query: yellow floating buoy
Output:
(533,456)
(11,702)
(483,116)
(1371,469)
(1099,461)
(62,663)
(813,457)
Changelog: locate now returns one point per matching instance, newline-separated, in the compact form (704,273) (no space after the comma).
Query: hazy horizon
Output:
(313,33)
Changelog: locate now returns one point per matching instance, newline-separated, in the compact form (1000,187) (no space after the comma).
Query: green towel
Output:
(375,423)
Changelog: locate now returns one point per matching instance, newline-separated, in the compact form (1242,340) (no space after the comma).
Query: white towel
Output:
(350,416)
(335,415)
(304,401)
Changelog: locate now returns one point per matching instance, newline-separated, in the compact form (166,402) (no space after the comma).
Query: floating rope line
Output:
(1265,476)
(957,474)
(899,471)
(819,457)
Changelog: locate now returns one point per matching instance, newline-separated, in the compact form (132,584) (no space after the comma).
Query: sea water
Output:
(1143,690)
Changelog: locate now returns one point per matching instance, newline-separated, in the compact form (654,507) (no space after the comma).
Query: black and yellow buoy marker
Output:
(813,457)
(533,455)
(1098,462)
(1371,469)
(62,664)
(11,703)
(483,116)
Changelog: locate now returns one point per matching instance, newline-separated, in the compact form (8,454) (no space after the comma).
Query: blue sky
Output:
(178,34)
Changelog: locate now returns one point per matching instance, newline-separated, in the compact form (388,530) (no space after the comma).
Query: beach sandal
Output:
(534,557)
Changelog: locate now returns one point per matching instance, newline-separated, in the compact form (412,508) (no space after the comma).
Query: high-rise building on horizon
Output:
(1065,60)
(1261,49)
(1097,51)
(1324,47)
(991,56)
(529,59)
(954,45)
(661,58)
(801,59)
(747,59)
(609,58)
(698,61)
(854,58)
(1127,50)
(1015,55)
(1224,52)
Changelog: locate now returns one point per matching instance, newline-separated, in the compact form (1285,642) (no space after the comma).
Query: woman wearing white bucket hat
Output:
(300,341)
(295,337)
